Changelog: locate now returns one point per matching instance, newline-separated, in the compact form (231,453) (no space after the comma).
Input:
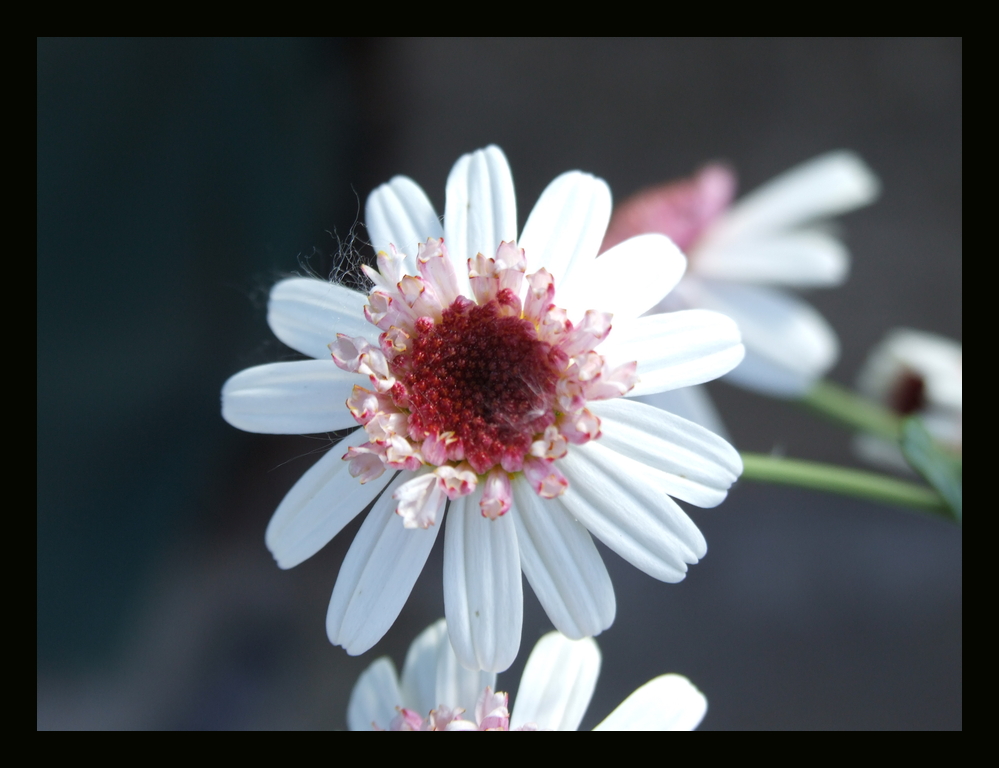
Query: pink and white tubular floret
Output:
(473,391)
(492,713)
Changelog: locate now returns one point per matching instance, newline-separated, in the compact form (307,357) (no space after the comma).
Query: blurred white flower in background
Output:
(744,257)
(913,373)
(487,392)
(555,690)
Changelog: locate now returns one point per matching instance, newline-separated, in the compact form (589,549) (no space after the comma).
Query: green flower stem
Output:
(850,409)
(850,482)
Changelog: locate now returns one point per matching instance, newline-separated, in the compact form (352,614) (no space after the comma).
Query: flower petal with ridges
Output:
(558,683)
(562,565)
(698,465)
(399,213)
(376,577)
(624,504)
(307,314)
(483,596)
(432,674)
(564,230)
(318,506)
(375,696)
(626,281)
(690,403)
(480,210)
(287,398)
(676,349)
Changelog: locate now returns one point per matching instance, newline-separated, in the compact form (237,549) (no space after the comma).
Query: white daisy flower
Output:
(914,373)
(437,694)
(473,367)
(742,258)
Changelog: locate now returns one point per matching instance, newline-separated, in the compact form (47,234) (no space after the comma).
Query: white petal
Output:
(690,403)
(400,213)
(562,565)
(307,314)
(788,344)
(377,575)
(557,684)
(696,465)
(626,281)
(806,259)
(567,225)
(675,349)
(667,703)
(296,398)
(824,186)
(432,675)
(375,697)
(419,673)
(457,686)
(624,504)
(761,374)
(483,594)
(319,505)
(480,209)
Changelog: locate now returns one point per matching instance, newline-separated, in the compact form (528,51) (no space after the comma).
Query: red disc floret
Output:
(482,376)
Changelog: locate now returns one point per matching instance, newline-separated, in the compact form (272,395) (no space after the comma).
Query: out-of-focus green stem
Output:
(850,409)
(849,482)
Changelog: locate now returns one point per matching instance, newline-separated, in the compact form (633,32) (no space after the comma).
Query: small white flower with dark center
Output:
(744,256)
(436,693)
(487,372)
(914,373)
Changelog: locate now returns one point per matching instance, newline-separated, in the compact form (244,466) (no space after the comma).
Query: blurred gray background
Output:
(177,180)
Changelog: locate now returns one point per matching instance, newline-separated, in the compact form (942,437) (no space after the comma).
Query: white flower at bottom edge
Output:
(486,372)
(437,693)
(743,257)
(914,373)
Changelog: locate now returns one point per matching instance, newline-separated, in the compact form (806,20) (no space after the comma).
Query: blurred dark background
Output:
(177,180)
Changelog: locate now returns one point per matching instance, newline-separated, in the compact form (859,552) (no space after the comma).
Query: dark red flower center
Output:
(909,394)
(482,376)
